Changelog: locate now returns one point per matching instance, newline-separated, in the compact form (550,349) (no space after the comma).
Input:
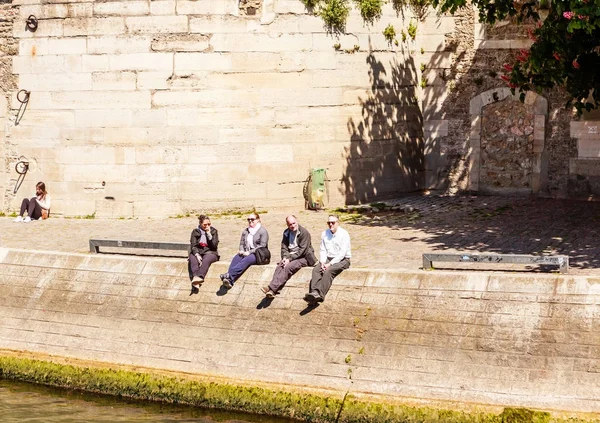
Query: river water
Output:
(23,403)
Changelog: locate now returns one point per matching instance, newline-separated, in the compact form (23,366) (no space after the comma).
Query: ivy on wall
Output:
(335,12)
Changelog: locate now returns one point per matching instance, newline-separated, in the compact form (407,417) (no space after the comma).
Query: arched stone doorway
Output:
(507,153)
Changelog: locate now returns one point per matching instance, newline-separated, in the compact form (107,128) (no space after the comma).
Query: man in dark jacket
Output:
(204,241)
(296,252)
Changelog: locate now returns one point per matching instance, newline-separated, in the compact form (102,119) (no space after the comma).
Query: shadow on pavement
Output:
(508,225)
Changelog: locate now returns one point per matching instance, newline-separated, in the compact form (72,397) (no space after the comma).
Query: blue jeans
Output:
(239,264)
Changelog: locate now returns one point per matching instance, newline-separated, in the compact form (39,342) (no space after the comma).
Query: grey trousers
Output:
(283,274)
(321,282)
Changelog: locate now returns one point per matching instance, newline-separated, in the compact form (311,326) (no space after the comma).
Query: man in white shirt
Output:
(334,258)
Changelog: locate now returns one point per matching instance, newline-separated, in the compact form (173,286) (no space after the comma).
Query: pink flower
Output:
(505,78)
(523,55)
(531,35)
(556,56)
(575,64)
(583,17)
(568,15)
(511,85)
(507,67)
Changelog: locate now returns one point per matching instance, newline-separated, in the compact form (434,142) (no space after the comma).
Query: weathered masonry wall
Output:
(143,108)
(525,340)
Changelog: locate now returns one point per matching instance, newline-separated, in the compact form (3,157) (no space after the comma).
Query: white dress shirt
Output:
(335,245)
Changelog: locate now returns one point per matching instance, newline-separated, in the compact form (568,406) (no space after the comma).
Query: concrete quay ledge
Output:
(509,340)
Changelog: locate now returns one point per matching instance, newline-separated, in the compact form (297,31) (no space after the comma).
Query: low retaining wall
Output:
(514,340)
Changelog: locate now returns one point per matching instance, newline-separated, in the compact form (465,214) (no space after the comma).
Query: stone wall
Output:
(521,340)
(158,108)
(8,82)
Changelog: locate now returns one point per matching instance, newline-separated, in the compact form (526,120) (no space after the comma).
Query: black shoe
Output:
(222,276)
(227,284)
(310,298)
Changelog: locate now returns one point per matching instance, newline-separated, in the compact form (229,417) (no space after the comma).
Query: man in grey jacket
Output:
(296,253)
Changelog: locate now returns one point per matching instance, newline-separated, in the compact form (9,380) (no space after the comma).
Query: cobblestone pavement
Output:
(384,240)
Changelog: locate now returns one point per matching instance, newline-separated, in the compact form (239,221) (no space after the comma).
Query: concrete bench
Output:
(561,261)
(95,245)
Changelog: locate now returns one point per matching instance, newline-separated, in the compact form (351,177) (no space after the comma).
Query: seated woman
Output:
(204,241)
(36,207)
(253,237)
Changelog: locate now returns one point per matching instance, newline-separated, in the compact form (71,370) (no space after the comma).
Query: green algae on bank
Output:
(298,405)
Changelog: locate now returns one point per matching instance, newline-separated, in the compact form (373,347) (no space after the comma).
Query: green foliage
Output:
(403,35)
(370,10)
(389,33)
(337,46)
(565,45)
(310,4)
(422,50)
(13,214)
(423,82)
(361,351)
(418,7)
(2,214)
(334,14)
(422,67)
(412,30)
(348,359)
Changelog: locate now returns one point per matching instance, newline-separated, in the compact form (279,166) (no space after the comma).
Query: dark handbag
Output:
(263,255)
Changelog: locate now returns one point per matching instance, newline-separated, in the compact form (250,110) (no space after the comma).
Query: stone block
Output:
(436,128)
(119,44)
(47,118)
(162,7)
(588,130)
(520,44)
(260,42)
(63,46)
(475,105)
(148,118)
(289,6)
(50,28)
(585,167)
(189,62)
(93,26)
(85,155)
(231,117)
(267,153)
(33,46)
(255,62)
(113,209)
(587,148)
(153,80)
(56,82)
(102,118)
(258,80)
(222,24)
(217,7)
(114,81)
(74,208)
(94,63)
(157,24)
(187,42)
(94,172)
(206,98)
(121,8)
(156,208)
(100,100)
(141,62)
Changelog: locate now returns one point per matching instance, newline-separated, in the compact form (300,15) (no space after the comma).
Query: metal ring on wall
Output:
(31,24)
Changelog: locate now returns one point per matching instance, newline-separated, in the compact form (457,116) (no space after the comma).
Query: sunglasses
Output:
(331,223)
(251,219)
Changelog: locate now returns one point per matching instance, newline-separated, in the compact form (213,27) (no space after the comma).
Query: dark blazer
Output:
(213,243)
(305,248)
(261,239)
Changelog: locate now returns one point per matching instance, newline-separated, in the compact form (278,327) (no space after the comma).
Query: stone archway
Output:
(507,153)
